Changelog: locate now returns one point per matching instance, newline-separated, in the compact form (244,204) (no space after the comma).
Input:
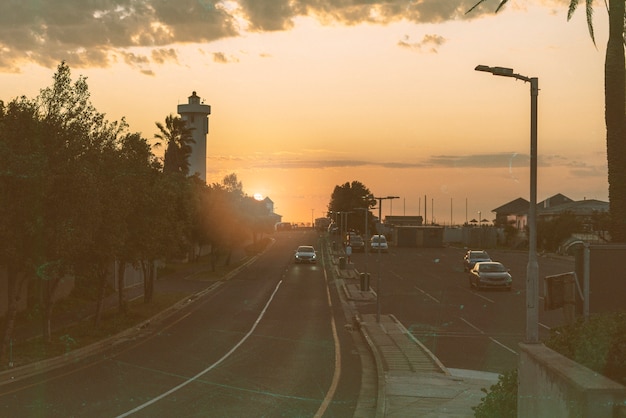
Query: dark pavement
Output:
(411,380)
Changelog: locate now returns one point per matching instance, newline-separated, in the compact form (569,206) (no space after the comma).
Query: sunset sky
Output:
(310,94)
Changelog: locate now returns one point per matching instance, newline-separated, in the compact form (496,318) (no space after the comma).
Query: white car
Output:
(490,274)
(305,254)
(379,242)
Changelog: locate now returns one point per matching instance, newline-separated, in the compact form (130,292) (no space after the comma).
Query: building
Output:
(392,220)
(196,113)
(515,212)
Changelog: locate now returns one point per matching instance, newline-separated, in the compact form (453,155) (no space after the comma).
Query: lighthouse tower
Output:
(197,116)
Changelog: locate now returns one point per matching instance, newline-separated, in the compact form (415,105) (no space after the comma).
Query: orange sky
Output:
(307,98)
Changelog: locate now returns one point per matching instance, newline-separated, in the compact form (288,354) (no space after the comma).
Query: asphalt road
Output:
(270,342)
(427,290)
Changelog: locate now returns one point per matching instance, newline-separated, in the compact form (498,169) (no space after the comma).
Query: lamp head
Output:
(503,71)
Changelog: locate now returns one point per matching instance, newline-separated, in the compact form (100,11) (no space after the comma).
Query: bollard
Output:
(342,263)
(365,282)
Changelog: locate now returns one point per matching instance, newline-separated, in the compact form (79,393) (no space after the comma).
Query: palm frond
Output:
(475,6)
(572,8)
(589,12)
(589,9)
(502,3)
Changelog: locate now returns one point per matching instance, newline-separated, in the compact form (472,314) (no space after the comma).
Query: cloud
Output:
(429,43)
(291,161)
(222,58)
(164,55)
(95,33)
(509,161)
(49,32)
(496,160)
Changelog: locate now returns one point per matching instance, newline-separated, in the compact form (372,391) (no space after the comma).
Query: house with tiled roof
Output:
(516,211)
(513,213)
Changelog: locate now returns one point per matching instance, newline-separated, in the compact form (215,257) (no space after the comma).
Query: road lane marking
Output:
(478,295)
(504,346)
(337,370)
(427,294)
(480,331)
(211,367)
(472,325)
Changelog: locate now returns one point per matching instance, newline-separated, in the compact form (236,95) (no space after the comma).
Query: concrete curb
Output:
(380,372)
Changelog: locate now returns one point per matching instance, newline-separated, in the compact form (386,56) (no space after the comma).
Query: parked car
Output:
(305,254)
(474,256)
(357,243)
(379,242)
(490,274)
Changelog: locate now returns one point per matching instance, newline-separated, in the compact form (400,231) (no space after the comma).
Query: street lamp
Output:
(532,269)
(380,221)
(380,206)
(366,211)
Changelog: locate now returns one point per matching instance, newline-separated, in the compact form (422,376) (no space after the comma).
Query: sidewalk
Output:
(412,382)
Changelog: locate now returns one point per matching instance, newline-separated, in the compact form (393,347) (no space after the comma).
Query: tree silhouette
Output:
(178,139)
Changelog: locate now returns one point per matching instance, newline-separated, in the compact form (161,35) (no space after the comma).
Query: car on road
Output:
(379,242)
(490,274)
(474,256)
(357,243)
(305,254)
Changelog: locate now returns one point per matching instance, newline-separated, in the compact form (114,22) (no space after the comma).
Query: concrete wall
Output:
(417,236)
(551,385)
(132,277)
(63,290)
(473,237)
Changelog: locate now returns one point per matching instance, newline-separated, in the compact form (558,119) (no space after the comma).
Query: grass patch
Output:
(79,312)
(83,333)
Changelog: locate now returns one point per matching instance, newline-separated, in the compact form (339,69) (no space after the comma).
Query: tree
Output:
(77,215)
(615,108)
(550,234)
(137,166)
(177,136)
(348,197)
(20,180)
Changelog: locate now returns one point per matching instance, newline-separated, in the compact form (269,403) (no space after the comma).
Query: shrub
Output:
(598,343)
(501,399)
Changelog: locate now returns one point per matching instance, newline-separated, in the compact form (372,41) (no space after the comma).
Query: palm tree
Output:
(177,135)
(614,108)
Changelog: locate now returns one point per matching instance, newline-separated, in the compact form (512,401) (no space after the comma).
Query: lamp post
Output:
(380,206)
(380,221)
(366,212)
(532,269)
